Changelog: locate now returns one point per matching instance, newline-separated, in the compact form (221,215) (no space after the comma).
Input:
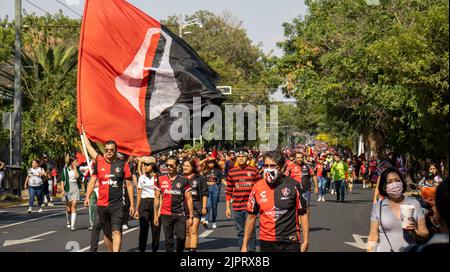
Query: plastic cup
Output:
(407,215)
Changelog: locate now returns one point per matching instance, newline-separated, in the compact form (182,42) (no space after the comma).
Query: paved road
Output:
(332,224)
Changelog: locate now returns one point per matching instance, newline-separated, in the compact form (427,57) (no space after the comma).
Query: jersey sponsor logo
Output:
(103,169)
(178,185)
(172,192)
(117,170)
(263,196)
(164,185)
(194,183)
(113,183)
(275,213)
(249,174)
(244,184)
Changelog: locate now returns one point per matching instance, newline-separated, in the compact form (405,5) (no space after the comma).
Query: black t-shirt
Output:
(214,175)
(199,189)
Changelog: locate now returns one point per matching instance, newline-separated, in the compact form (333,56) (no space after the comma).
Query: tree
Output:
(382,69)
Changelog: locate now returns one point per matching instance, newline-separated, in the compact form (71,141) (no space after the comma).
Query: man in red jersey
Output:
(303,173)
(279,201)
(240,181)
(173,190)
(111,174)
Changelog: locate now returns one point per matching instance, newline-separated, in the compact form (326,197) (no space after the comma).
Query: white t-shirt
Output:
(147,185)
(35,178)
(72,178)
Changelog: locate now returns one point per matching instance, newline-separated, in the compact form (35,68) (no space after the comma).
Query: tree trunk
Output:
(376,143)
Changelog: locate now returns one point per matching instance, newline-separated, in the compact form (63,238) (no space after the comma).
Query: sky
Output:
(262,19)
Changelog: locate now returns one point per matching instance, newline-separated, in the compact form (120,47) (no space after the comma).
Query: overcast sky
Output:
(262,19)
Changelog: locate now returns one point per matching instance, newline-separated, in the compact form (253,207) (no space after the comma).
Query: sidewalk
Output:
(11,200)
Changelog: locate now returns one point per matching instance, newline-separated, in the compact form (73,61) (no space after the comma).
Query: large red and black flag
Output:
(131,72)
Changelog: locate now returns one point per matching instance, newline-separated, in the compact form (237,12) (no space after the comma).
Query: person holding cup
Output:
(397,221)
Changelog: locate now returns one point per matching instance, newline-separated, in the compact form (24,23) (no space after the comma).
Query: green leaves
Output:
(377,68)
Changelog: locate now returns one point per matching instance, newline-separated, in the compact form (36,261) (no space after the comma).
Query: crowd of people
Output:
(178,191)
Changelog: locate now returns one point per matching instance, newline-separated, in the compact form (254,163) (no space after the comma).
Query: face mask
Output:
(394,189)
(270,175)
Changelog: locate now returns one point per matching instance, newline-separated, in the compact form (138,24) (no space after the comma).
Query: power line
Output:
(74,11)
(36,6)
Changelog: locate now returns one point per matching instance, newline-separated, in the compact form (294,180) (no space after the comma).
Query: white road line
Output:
(205,233)
(36,219)
(103,241)
(26,240)
(47,210)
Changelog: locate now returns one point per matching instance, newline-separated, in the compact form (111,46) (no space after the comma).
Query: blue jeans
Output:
(213,200)
(340,189)
(322,184)
(35,191)
(239,218)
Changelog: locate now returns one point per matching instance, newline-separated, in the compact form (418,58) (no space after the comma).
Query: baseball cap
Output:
(148,159)
(242,153)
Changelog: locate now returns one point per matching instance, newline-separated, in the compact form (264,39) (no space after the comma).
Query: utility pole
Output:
(17,156)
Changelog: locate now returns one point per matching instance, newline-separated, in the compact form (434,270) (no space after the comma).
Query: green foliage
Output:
(377,68)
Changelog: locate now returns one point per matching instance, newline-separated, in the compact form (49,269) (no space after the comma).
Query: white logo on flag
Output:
(166,90)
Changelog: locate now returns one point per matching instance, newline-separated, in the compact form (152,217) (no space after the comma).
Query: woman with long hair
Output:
(199,191)
(148,175)
(214,177)
(71,186)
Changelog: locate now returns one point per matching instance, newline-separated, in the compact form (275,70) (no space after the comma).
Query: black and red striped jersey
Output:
(239,185)
(279,208)
(111,177)
(173,194)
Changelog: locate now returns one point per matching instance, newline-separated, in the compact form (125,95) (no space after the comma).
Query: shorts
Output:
(307,196)
(197,210)
(269,246)
(110,218)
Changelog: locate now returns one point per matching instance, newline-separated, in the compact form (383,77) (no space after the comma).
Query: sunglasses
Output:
(269,165)
(110,149)
(210,161)
(171,165)
(147,164)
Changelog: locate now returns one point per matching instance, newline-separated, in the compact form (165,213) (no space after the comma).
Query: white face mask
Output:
(270,175)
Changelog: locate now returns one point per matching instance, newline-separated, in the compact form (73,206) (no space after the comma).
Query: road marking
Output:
(36,219)
(205,233)
(103,241)
(47,210)
(26,240)
(359,242)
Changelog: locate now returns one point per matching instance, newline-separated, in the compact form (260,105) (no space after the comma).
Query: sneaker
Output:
(68,226)
(40,210)
(205,224)
(90,229)
(214,226)
(72,228)
(124,226)
(332,192)
(50,204)
(29,210)
(323,199)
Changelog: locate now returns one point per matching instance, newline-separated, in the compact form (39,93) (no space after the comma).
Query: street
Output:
(334,227)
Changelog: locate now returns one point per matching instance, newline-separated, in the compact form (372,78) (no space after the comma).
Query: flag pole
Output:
(86,154)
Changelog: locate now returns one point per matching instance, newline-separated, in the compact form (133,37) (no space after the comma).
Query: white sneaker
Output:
(50,204)
(124,226)
(205,224)
(323,199)
(68,226)
(214,226)
(29,210)
(332,192)
(40,210)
